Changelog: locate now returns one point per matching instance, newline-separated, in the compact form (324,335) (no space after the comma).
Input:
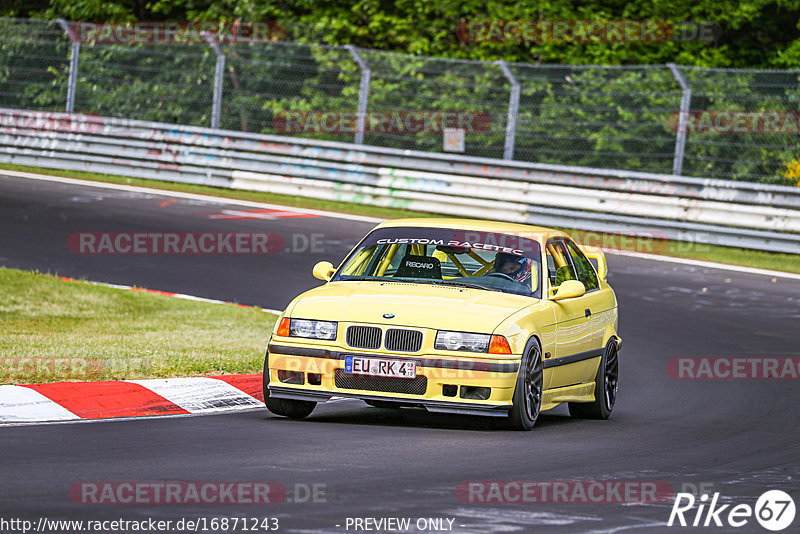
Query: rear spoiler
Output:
(599,257)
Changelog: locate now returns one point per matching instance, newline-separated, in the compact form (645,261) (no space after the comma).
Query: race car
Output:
(451,315)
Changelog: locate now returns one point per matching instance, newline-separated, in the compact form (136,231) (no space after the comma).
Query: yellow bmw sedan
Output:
(451,315)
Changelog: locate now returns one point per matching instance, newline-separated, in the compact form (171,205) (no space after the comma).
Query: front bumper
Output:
(443,384)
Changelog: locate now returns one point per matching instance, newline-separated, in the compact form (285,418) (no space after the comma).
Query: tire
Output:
(293,409)
(606,382)
(528,391)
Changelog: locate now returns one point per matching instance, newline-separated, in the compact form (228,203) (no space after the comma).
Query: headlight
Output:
(462,341)
(312,329)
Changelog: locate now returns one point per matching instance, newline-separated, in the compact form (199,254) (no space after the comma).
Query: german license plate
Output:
(380,367)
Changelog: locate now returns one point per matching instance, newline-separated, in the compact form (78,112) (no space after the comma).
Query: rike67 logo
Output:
(774,510)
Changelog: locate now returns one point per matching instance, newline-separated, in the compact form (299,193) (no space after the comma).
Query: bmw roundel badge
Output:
(388,316)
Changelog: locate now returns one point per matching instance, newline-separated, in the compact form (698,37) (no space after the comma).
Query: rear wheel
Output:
(294,409)
(528,391)
(605,388)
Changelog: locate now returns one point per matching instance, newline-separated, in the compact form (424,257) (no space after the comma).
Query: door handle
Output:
(588,312)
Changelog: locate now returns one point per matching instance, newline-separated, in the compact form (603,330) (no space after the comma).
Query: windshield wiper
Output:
(456,284)
(419,281)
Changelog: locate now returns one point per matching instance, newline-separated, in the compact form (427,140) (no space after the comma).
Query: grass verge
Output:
(53,330)
(696,251)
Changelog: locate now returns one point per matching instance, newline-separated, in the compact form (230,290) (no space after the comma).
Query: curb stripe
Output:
(200,395)
(250,384)
(101,400)
(21,404)
(127,399)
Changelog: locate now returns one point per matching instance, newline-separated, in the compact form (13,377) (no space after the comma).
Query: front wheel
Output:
(294,409)
(528,391)
(605,388)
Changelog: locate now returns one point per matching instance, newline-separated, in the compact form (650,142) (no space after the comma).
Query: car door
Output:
(598,300)
(598,309)
(574,338)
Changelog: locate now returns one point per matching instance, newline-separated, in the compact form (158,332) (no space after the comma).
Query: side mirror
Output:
(569,289)
(323,270)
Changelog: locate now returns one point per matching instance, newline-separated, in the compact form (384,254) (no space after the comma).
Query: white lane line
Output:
(213,301)
(192,196)
(118,419)
(200,394)
(170,294)
(21,404)
(707,264)
(376,220)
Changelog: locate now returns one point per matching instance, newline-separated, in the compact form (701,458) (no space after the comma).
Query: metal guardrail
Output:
(712,211)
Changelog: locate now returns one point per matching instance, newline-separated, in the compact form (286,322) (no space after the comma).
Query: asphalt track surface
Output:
(736,437)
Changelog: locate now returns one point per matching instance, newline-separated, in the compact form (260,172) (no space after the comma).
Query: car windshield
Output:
(490,261)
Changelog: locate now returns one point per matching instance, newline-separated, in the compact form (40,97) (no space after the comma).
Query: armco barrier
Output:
(711,211)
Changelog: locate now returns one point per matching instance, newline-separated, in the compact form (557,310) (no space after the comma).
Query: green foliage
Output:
(604,117)
(166,83)
(34,65)
(752,33)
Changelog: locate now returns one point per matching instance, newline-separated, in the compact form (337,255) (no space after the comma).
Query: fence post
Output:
(75,53)
(513,110)
(219,78)
(363,93)
(683,118)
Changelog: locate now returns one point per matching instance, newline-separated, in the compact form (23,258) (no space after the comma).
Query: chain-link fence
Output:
(723,123)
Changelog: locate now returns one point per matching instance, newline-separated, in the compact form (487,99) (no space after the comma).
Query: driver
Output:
(517,267)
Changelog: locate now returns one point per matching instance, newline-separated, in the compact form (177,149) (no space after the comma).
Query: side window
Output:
(559,268)
(583,266)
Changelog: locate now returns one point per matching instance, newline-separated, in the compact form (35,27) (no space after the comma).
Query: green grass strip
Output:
(53,330)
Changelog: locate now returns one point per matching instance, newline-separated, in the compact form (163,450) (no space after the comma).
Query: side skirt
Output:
(574,393)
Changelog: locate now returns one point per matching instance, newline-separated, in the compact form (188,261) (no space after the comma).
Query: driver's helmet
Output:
(523,271)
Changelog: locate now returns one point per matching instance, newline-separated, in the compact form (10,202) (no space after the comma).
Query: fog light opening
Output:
(315,379)
(449,390)
(475,393)
(291,377)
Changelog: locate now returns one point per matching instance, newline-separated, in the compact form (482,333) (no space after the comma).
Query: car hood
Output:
(419,305)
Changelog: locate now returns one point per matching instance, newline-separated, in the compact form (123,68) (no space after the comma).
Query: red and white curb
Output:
(72,401)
